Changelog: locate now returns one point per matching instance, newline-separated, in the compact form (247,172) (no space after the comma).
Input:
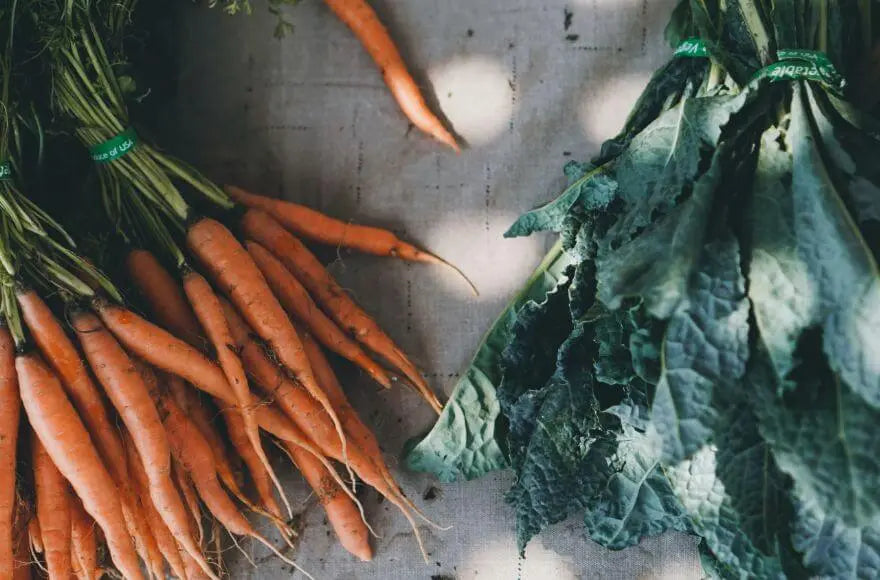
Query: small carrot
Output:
(262,228)
(365,24)
(342,513)
(134,402)
(164,296)
(194,453)
(207,308)
(10,414)
(67,442)
(84,545)
(235,272)
(259,475)
(35,535)
(296,301)
(165,542)
(190,497)
(53,509)
(23,569)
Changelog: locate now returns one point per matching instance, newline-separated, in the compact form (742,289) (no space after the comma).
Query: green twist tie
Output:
(5,171)
(691,48)
(115,147)
(802,65)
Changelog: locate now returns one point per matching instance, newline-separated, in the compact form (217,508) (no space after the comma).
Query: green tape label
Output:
(797,65)
(691,48)
(115,147)
(5,170)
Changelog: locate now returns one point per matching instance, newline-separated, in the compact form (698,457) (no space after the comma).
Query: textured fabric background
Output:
(529,84)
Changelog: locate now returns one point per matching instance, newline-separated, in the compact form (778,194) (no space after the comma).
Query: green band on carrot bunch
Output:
(802,65)
(5,170)
(692,48)
(115,147)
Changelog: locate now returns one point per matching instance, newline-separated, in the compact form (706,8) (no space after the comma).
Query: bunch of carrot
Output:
(139,427)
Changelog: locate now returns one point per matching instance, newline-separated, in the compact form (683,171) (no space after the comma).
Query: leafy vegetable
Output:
(710,366)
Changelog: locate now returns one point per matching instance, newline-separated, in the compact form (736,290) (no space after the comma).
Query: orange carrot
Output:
(365,24)
(317,227)
(235,272)
(296,301)
(22,568)
(165,542)
(53,509)
(134,402)
(194,453)
(164,296)
(190,497)
(67,442)
(342,513)
(61,354)
(35,535)
(10,414)
(262,228)
(207,308)
(83,542)
(259,475)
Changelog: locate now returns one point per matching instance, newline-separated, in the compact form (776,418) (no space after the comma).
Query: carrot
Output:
(342,513)
(53,509)
(259,475)
(67,442)
(365,24)
(164,296)
(35,535)
(172,355)
(10,415)
(262,228)
(238,276)
(83,542)
(59,351)
(165,542)
(296,301)
(207,308)
(133,401)
(194,454)
(190,497)
(22,569)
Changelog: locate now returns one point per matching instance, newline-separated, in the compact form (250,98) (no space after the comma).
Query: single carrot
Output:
(165,542)
(84,545)
(367,27)
(190,497)
(134,402)
(10,415)
(22,568)
(194,454)
(342,513)
(169,353)
(262,228)
(296,301)
(235,272)
(259,476)
(35,535)
(207,308)
(67,442)
(53,509)
(164,296)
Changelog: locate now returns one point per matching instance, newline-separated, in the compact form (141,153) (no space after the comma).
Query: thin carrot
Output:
(296,301)
(262,228)
(10,415)
(259,475)
(133,401)
(67,442)
(207,308)
(84,545)
(35,535)
(171,354)
(194,453)
(190,497)
(235,272)
(53,509)
(365,24)
(342,513)
(164,296)
(23,568)
(165,542)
